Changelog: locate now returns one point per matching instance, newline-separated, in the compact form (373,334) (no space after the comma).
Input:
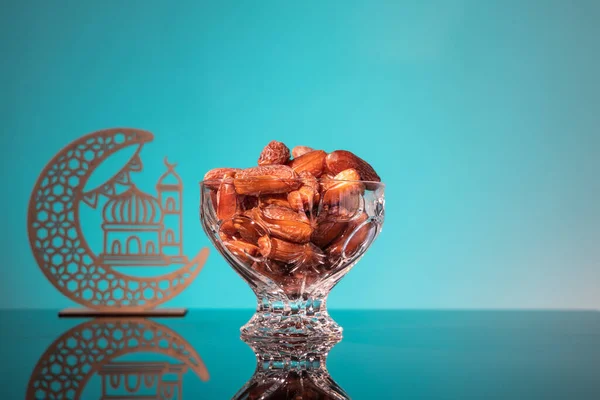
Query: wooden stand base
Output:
(88,312)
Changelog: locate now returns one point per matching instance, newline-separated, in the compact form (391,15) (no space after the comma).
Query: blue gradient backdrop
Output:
(483,118)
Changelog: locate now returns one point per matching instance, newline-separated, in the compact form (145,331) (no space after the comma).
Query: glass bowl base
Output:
(291,326)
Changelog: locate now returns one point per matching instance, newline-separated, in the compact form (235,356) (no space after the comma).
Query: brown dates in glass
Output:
(291,219)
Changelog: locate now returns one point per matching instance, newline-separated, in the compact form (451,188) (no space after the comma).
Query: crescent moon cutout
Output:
(71,360)
(56,237)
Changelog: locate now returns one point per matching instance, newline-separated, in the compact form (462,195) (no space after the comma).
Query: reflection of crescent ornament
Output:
(56,237)
(71,360)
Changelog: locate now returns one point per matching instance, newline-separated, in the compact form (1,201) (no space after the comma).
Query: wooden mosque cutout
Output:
(143,230)
(139,230)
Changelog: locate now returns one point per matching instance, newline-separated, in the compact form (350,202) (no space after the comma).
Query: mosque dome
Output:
(132,207)
(169,178)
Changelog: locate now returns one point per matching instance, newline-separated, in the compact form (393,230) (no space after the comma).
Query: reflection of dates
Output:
(288,370)
(295,385)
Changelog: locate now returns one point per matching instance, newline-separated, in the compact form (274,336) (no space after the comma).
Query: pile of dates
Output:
(290,218)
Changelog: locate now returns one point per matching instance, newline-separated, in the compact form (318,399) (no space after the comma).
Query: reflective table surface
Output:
(383,355)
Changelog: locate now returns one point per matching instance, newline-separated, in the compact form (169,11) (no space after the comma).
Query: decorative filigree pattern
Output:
(57,241)
(68,363)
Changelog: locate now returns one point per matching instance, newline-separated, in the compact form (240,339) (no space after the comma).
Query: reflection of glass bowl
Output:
(291,370)
(292,252)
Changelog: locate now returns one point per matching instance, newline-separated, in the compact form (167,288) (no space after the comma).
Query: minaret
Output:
(169,188)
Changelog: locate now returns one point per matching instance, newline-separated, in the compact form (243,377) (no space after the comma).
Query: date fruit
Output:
(343,194)
(217,174)
(226,199)
(301,150)
(242,249)
(291,253)
(340,160)
(266,179)
(302,199)
(358,231)
(274,153)
(283,223)
(312,162)
(327,230)
(280,200)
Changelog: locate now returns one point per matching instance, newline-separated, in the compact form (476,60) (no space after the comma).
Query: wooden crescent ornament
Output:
(56,237)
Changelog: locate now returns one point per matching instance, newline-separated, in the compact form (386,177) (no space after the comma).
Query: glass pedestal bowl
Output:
(291,246)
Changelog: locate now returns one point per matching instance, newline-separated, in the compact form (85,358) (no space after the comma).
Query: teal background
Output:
(482,117)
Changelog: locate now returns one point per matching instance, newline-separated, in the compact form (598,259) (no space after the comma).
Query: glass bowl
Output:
(291,245)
